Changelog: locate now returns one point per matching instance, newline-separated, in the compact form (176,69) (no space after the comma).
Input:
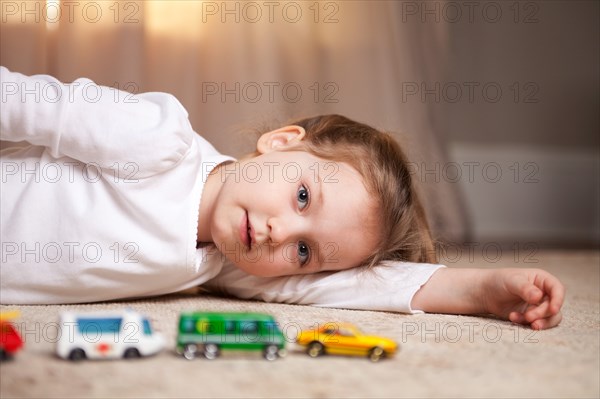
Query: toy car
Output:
(106,335)
(345,339)
(211,333)
(10,340)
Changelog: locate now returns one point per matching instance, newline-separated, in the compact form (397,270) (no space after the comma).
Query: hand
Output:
(525,296)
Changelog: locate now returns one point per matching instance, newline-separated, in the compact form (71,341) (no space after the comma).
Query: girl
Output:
(109,195)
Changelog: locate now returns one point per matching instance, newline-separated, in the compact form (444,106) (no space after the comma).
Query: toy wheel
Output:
(131,353)
(376,353)
(270,352)
(77,355)
(4,355)
(211,351)
(189,351)
(315,349)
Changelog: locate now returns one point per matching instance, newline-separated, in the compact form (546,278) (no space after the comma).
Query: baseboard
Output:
(542,195)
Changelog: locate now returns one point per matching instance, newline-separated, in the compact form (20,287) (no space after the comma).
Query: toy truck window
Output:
(99,326)
(269,327)
(229,327)
(249,327)
(206,327)
(147,328)
(188,325)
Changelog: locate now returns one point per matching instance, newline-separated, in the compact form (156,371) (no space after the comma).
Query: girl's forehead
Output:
(347,218)
(345,195)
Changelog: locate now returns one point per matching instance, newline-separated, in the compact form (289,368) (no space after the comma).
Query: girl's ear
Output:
(285,137)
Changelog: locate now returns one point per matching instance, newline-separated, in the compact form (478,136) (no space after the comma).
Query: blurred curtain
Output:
(239,66)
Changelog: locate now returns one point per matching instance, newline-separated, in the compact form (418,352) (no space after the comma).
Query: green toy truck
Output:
(209,333)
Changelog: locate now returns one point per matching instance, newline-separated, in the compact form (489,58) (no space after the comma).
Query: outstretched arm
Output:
(388,287)
(93,123)
(526,296)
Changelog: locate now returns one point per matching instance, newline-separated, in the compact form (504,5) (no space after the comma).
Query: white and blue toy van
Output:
(107,335)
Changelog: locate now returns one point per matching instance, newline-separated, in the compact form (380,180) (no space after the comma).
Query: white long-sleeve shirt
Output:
(100,191)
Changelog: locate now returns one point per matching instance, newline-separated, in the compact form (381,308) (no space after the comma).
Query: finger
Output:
(549,322)
(517,317)
(540,311)
(526,290)
(554,288)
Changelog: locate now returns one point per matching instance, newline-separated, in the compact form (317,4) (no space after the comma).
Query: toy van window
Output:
(187,325)
(209,327)
(99,326)
(330,331)
(147,328)
(229,327)
(249,327)
(269,327)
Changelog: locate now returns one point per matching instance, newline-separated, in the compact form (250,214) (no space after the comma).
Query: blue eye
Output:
(303,253)
(303,197)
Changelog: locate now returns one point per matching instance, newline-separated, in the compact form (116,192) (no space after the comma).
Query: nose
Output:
(281,230)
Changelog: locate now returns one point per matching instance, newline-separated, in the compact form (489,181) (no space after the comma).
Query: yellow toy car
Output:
(345,339)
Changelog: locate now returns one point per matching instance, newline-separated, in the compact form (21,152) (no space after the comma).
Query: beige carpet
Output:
(441,355)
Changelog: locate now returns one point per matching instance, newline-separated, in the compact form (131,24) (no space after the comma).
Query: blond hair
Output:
(404,232)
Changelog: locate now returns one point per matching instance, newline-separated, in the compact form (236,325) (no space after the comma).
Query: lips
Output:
(245,231)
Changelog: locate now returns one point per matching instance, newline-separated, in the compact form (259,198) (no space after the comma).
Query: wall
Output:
(518,104)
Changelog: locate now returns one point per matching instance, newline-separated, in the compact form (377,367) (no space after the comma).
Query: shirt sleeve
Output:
(94,124)
(388,287)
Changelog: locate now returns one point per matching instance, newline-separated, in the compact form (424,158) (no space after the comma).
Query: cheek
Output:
(288,254)
(282,258)
(218,229)
(268,262)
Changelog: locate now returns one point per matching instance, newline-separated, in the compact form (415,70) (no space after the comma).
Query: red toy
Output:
(10,340)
